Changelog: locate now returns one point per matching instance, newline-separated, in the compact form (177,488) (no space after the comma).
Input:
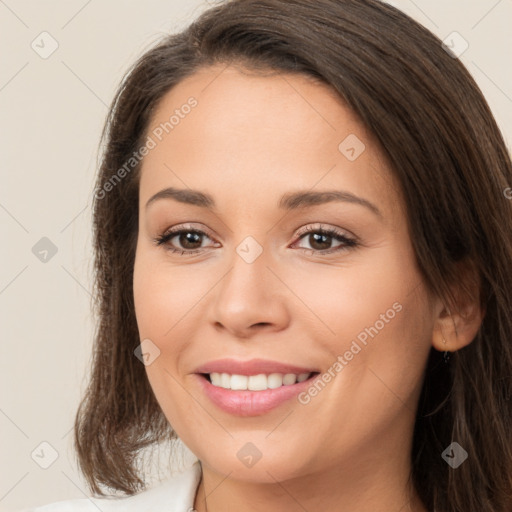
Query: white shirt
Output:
(173,495)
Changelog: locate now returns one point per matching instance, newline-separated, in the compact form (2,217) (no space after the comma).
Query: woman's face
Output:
(249,168)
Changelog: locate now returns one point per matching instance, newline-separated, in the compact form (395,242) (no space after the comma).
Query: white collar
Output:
(177,493)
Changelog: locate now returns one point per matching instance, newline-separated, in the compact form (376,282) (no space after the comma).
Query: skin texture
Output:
(249,140)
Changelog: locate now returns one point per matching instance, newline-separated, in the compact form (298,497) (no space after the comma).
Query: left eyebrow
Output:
(305,199)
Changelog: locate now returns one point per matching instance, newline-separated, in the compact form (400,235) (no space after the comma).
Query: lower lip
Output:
(251,403)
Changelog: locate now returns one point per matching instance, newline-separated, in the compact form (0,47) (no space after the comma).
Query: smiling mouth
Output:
(259,382)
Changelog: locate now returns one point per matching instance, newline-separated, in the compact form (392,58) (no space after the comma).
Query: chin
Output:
(268,469)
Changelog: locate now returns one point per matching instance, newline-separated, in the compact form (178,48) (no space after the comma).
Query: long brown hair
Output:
(451,162)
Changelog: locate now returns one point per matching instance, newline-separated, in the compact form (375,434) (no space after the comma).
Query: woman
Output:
(302,241)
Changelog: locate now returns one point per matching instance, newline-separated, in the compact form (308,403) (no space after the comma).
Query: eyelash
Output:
(329,232)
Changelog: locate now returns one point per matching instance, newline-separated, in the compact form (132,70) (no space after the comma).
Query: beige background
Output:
(52,112)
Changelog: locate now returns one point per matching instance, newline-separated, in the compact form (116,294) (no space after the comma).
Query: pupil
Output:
(190,238)
(317,237)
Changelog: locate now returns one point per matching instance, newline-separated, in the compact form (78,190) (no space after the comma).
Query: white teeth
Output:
(275,380)
(225,380)
(289,379)
(216,379)
(239,381)
(258,382)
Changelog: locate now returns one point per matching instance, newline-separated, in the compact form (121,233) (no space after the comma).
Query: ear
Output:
(457,323)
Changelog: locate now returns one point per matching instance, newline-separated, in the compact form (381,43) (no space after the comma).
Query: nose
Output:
(250,299)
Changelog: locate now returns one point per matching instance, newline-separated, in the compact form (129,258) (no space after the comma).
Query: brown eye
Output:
(189,239)
(320,240)
(183,241)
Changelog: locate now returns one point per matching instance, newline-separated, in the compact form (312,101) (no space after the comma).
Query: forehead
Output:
(226,125)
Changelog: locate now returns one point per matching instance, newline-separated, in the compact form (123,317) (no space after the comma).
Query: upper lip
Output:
(251,367)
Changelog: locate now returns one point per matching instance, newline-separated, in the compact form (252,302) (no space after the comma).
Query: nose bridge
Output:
(249,276)
(249,294)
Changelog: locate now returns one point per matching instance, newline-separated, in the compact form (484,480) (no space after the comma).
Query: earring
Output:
(446,354)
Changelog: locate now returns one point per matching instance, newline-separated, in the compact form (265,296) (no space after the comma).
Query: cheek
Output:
(163,295)
(378,322)
(162,298)
(168,307)
(369,294)
(382,335)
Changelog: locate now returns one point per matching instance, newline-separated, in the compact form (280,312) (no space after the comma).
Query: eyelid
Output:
(318,226)
(188,226)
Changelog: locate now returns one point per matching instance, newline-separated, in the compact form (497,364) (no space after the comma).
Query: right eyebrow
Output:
(188,196)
